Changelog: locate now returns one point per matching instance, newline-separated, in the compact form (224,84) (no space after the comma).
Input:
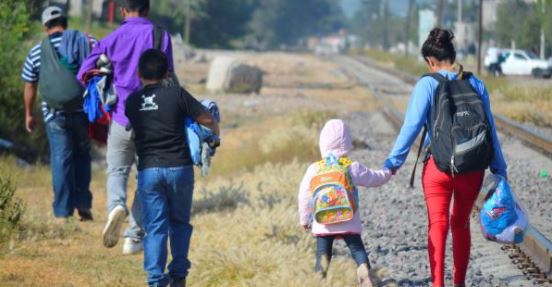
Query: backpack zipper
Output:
(453,168)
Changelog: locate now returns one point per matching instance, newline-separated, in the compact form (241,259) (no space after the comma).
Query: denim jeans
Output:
(121,155)
(324,246)
(70,162)
(166,196)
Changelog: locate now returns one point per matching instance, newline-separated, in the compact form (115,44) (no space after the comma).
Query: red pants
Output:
(439,188)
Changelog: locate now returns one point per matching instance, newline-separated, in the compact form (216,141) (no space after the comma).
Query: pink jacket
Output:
(335,138)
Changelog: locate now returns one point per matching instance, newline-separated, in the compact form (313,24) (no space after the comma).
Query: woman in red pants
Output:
(442,186)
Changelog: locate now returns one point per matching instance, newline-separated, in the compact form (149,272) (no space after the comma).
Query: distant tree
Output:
(17,28)
(517,21)
(172,14)
(377,26)
(277,22)
(223,23)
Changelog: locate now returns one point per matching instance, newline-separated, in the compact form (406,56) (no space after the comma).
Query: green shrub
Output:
(11,211)
(15,20)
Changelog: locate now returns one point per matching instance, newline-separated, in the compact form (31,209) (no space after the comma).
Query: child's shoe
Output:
(363,276)
(325,265)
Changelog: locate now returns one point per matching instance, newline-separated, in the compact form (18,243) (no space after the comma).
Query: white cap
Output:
(51,13)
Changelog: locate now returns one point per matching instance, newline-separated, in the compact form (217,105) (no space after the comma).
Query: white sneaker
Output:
(112,229)
(132,246)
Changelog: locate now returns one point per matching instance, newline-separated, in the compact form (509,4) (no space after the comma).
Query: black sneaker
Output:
(85,215)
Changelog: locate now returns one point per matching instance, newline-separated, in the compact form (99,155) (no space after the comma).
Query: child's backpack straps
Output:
(332,160)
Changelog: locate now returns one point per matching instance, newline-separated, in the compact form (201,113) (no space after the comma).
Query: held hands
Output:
(306,227)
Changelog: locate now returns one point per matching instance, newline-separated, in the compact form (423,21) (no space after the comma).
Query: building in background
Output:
(77,8)
(426,21)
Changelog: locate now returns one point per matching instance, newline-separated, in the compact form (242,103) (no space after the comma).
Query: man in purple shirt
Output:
(123,47)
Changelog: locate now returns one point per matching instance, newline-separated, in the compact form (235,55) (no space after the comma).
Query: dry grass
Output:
(246,234)
(524,104)
(246,230)
(263,245)
(276,139)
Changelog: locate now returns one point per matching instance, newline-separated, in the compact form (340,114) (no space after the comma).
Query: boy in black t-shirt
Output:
(165,169)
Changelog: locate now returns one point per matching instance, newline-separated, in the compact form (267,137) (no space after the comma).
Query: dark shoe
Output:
(85,215)
(325,265)
(180,282)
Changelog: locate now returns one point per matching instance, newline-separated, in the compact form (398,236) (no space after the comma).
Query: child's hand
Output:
(306,227)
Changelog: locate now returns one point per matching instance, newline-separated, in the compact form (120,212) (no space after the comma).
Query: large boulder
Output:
(228,75)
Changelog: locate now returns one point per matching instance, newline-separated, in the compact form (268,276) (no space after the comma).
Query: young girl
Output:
(335,142)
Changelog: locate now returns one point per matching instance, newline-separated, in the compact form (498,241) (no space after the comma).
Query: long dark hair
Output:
(439,45)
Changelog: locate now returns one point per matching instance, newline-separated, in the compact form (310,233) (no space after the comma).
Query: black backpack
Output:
(58,86)
(461,138)
(158,33)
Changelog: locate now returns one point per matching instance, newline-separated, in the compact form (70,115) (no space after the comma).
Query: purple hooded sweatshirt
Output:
(124,47)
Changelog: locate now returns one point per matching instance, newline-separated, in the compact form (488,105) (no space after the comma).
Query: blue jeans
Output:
(166,197)
(324,246)
(70,162)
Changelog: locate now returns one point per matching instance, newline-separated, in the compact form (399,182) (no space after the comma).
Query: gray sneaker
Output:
(112,229)
(132,246)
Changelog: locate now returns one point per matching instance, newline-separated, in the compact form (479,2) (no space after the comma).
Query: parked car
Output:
(521,62)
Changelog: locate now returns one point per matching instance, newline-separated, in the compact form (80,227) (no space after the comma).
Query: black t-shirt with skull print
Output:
(156,115)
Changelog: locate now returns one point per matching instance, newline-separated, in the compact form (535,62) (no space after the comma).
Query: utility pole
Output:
(480,40)
(542,36)
(459,11)
(407,28)
(384,15)
(188,21)
(440,13)
(89,12)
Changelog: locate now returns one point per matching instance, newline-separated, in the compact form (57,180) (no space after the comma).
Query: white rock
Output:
(228,75)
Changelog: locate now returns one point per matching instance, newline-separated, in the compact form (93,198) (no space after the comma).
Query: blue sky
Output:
(397,7)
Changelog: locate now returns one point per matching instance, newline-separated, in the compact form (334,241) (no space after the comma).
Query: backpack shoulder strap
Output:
(438,77)
(466,75)
(345,161)
(158,37)
(422,141)
(47,50)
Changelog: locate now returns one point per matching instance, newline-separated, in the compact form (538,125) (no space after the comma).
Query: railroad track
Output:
(534,255)
(530,137)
